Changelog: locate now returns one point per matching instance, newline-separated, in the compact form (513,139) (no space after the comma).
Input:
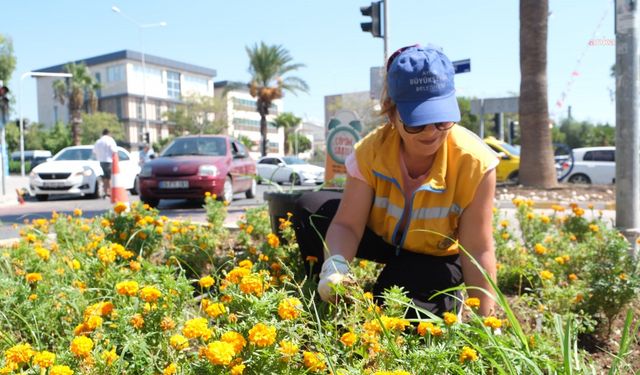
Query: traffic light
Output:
(375,26)
(146,138)
(4,97)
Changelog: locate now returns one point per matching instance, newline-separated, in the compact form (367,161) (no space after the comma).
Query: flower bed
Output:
(133,292)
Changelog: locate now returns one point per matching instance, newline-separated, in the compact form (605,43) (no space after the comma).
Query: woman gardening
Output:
(418,189)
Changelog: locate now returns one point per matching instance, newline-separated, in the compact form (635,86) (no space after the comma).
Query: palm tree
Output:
(77,90)
(536,162)
(289,122)
(268,65)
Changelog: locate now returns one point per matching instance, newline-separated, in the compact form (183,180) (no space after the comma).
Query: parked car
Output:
(507,169)
(191,166)
(591,165)
(289,169)
(74,170)
(34,157)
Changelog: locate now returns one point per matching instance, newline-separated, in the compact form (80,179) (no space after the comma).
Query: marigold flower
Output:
(235,339)
(127,288)
(492,322)
(20,353)
(573,277)
(262,335)
(44,359)
(237,369)
(77,212)
(42,253)
(289,308)
(623,276)
(137,321)
(135,266)
(287,349)
(109,356)
(540,249)
(314,361)
(106,255)
(311,259)
(450,318)
(472,302)
(253,284)
(150,294)
(214,310)
(206,282)
(219,353)
(546,275)
(579,297)
(172,369)
(33,277)
(60,370)
(167,324)
(468,355)
(348,339)
(178,342)
(197,328)
(81,346)
(273,240)
(594,228)
(236,274)
(33,297)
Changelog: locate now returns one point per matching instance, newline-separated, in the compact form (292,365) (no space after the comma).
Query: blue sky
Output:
(326,36)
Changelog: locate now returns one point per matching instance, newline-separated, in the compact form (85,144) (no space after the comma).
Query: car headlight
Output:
(146,171)
(33,174)
(86,172)
(208,170)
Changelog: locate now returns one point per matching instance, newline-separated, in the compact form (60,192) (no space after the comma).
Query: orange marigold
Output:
(262,335)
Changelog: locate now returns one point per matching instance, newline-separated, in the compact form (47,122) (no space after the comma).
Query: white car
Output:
(591,165)
(290,169)
(74,170)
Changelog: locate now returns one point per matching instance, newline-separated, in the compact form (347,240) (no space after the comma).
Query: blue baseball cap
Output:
(420,82)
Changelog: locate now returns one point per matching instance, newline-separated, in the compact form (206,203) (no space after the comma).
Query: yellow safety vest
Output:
(436,206)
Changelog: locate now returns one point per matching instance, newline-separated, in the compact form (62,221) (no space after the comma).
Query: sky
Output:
(326,37)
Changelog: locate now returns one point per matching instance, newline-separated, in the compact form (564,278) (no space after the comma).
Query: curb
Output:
(545,205)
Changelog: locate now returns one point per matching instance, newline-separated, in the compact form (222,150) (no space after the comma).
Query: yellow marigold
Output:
(287,349)
(172,369)
(468,355)
(44,359)
(237,369)
(504,223)
(75,264)
(137,321)
(546,275)
(557,208)
(424,327)
(135,266)
(314,361)
(77,212)
(559,260)
(246,263)
(214,310)
(594,228)
(578,211)
(492,322)
(127,288)
(206,282)
(573,277)
(505,236)
(106,255)
(236,274)
(20,353)
(623,276)
(197,328)
(289,308)
(472,302)
(150,294)
(81,346)
(33,297)
(263,258)
(60,370)
(273,240)
(573,237)
(450,318)
(100,308)
(33,277)
(235,339)
(42,253)
(167,324)
(178,342)
(219,353)
(249,229)
(545,219)
(262,335)
(540,249)
(109,356)
(93,322)
(311,259)
(348,339)
(253,284)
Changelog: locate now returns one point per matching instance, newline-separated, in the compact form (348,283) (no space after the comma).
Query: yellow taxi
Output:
(507,170)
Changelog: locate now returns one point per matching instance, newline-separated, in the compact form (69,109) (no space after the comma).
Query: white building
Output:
(243,119)
(124,87)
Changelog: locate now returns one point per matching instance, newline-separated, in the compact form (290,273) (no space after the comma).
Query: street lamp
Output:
(295,133)
(141,26)
(22,77)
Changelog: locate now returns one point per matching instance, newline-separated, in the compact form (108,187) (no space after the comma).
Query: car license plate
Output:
(54,184)
(178,184)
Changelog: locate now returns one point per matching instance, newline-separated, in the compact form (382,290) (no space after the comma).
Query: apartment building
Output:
(126,92)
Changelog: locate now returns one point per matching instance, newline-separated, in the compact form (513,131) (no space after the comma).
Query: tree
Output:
(197,115)
(268,65)
(536,163)
(289,122)
(303,143)
(7,59)
(76,91)
(94,123)
(362,105)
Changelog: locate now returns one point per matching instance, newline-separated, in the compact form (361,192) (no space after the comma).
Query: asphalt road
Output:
(174,208)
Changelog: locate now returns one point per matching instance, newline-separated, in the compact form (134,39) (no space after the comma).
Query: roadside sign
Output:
(343,131)
(462,66)
(494,105)
(376,79)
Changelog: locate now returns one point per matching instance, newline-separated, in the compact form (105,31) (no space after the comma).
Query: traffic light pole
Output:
(385,28)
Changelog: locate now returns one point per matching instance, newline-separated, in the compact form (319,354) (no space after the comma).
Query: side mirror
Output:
(281,164)
(152,156)
(503,156)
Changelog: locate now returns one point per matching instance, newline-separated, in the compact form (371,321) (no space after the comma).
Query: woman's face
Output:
(426,142)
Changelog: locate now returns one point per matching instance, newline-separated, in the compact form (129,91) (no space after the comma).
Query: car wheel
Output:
(513,178)
(227,190)
(135,190)
(580,179)
(98,190)
(151,202)
(251,193)
(294,179)
(42,197)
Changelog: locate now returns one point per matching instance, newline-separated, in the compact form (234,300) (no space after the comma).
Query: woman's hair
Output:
(387,105)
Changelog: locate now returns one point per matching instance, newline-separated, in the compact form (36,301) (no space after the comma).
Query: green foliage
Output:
(94,123)
(584,134)
(303,143)
(246,141)
(196,115)
(7,59)
(289,122)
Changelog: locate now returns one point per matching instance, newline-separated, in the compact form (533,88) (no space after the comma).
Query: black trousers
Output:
(420,275)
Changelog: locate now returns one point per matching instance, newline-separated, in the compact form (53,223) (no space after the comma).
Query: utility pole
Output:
(385,28)
(627,134)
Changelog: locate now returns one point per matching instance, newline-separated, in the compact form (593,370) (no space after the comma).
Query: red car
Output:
(192,165)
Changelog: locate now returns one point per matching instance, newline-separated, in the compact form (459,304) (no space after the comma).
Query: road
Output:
(174,208)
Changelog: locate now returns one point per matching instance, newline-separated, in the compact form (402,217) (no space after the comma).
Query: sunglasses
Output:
(442,126)
(396,53)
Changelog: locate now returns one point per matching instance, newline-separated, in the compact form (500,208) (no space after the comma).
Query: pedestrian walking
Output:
(146,154)
(103,150)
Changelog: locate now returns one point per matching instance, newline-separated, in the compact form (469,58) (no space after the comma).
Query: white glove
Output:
(334,270)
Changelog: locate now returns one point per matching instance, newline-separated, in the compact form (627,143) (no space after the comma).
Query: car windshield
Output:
(212,146)
(513,150)
(75,154)
(293,160)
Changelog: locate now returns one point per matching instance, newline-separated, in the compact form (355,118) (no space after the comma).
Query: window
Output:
(173,84)
(600,155)
(158,112)
(115,73)
(122,155)
(139,109)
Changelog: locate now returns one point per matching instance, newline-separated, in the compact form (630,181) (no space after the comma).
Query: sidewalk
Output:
(13,182)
